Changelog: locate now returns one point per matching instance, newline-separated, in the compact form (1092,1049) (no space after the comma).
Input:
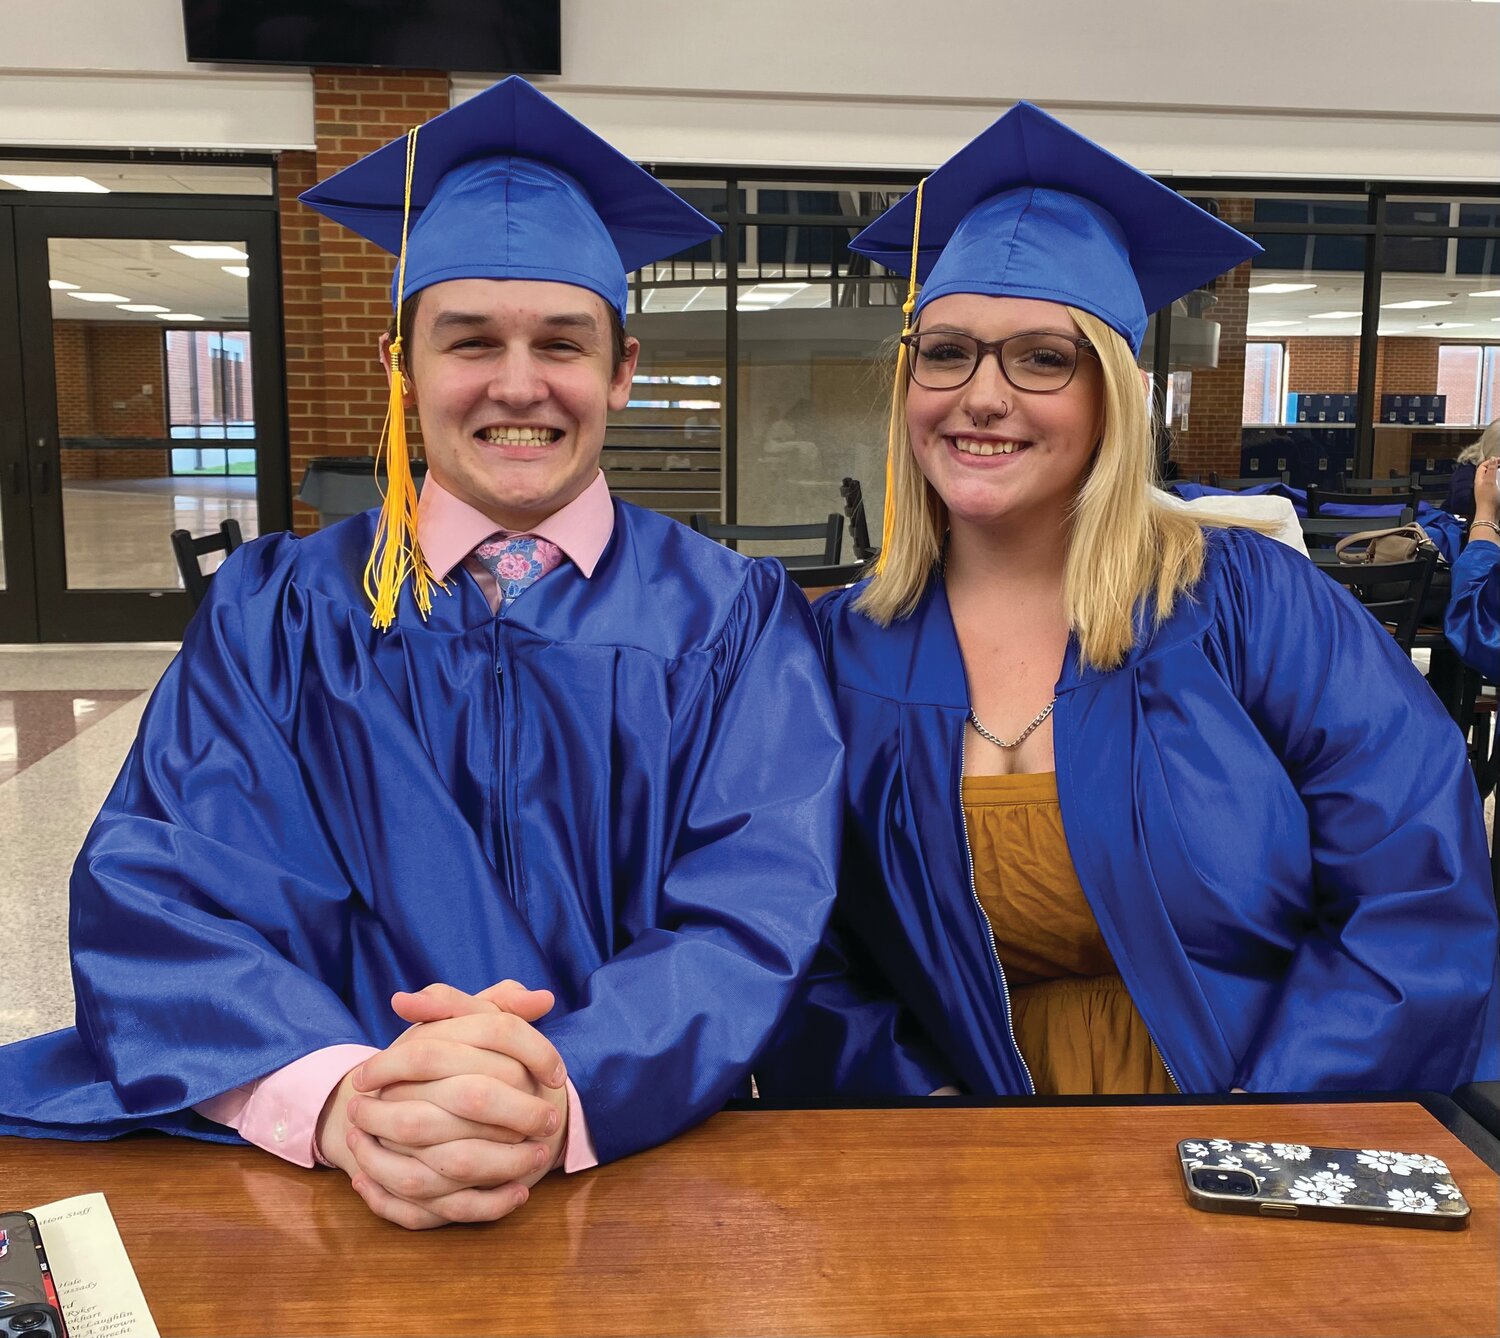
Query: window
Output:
(1265,383)
(209,399)
(1469,375)
(1459,369)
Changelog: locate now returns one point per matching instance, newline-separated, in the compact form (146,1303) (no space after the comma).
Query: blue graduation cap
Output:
(1030,208)
(508,186)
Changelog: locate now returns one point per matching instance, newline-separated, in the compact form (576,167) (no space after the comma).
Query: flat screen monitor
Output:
(478,36)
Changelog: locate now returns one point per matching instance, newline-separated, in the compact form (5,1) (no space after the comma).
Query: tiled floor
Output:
(67,718)
(116,531)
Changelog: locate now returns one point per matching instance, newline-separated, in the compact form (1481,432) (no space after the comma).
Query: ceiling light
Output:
(74,185)
(1488,292)
(1335,315)
(177,316)
(100,297)
(1447,325)
(58,286)
(1416,304)
(197,252)
(1281,287)
(143,307)
(239,271)
(1272,325)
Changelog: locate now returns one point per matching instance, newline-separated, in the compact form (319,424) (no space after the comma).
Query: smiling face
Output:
(994,453)
(512,380)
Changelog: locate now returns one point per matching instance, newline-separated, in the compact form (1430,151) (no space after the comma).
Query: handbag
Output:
(1404,543)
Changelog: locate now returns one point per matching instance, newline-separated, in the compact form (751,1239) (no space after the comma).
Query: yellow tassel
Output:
(396,553)
(893,435)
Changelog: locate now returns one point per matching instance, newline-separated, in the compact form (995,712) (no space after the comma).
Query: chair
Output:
(1433,487)
(854,511)
(1217,480)
(188,550)
(1380,507)
(815,581)
(1391,592)
(830,531)
(1398,483)
(1322,533)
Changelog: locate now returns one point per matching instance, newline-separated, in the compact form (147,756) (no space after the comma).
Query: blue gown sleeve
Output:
(1472,622)
(847,1036)
(847,1039)
(668,1027)
(1394,984)
(209,908)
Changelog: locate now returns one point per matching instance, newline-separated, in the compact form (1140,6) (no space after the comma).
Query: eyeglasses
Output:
(1038,362)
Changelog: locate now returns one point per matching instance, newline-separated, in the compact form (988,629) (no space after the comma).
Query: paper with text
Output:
(101,1297)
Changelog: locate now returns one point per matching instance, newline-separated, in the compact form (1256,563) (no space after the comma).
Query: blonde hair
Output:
(1126,543)
(1484,447)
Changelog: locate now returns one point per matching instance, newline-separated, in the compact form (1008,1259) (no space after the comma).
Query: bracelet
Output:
(1488,524)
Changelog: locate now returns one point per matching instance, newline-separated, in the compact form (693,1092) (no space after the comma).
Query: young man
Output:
(603,762)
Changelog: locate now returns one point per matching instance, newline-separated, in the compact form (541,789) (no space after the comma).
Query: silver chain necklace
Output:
(974,719)
(1021,737)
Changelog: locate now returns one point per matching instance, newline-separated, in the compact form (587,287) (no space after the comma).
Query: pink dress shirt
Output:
(280,1111)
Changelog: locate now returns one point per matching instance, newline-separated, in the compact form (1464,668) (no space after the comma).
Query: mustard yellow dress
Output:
(1074,1020)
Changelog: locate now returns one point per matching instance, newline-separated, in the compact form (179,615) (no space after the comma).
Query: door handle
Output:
(43,477)
(17,473)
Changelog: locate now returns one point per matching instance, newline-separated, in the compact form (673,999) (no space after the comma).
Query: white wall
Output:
(1345,88)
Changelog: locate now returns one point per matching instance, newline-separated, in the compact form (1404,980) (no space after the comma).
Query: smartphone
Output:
(1366,1185)
(28,1298)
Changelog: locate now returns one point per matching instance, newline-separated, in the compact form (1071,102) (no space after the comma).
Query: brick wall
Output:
(336,286)
(109,379)
(1406,367)
(1321,366)
(1211,440)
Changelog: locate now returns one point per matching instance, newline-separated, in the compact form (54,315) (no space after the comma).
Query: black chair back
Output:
(826,578)
(859,526)
(1397,483)
(830,531)
(1217,480)
(1322,533)
(189,550)
(1392,592)
(1379,506)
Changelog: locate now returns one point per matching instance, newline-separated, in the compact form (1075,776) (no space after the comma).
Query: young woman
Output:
(1473,619)
(1462,492)
(1133,805)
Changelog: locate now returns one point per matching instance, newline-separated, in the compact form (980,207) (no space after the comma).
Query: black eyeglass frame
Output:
(997,347)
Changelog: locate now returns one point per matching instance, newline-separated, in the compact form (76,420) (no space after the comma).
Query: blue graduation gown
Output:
(1269,812)
(1472,621)
(627,791)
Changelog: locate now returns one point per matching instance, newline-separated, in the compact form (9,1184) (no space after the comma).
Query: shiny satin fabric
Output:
(1472,621)
(1269,812)
(627,791)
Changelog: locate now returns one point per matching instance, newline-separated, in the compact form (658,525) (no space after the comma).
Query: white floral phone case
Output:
(1351,1184)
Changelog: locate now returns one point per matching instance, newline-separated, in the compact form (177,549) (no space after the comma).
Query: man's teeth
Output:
(539,436)
(987,447)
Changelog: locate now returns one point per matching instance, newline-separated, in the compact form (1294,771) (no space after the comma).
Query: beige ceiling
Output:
(143,271)
(148,178)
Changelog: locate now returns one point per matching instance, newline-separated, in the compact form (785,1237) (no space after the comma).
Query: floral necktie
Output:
(517,561)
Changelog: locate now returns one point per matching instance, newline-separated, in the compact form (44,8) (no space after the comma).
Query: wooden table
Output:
(1015,1220)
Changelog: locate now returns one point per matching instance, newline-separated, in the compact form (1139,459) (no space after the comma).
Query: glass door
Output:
(152,402)
(17,586)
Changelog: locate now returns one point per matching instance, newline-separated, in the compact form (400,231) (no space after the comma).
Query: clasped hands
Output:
(459,1116)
